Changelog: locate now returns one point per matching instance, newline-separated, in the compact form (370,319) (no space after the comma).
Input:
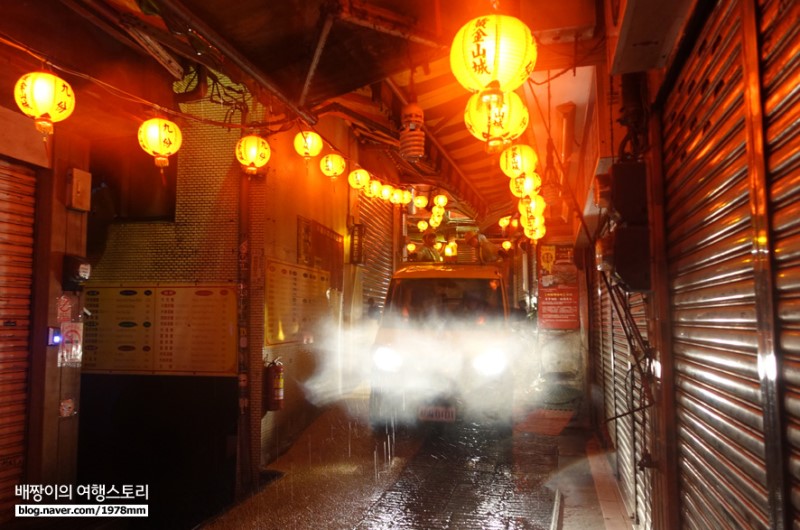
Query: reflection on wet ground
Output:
(467,476)
(339,474)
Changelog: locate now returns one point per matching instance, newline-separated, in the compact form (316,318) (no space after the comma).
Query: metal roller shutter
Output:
(376,215)
(781,90)
(641,416)
(17,187)
(607,361)
(721,458)
(623,383)
(629,416)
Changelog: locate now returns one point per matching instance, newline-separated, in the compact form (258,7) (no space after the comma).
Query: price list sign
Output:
(297,302)
(175,329)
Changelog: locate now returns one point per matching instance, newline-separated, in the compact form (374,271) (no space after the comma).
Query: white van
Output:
(444,350)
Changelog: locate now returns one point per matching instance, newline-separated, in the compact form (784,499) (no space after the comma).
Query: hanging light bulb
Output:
(160,138)
(252,152)
(332,165)
(308,144)
(44,97)
(518,160)
(358,178)
(412,137)
(493,53)
(497,126)
(421,201)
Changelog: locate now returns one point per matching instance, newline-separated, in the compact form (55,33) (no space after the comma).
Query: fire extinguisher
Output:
(272,386)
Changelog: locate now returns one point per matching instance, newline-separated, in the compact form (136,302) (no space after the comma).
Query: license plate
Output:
(437,413)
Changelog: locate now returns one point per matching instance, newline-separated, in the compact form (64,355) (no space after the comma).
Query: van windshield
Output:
(431,301)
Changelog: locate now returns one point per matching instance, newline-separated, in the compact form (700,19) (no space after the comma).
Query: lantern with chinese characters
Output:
(386,192)
(44,97)
(373,189)
(518,160)
(332,165)
(525,186)
(536,233)
(252,152)
(420,201)
(160,138)
(494,53)
(504,221)
(308,144)
(538,205)
(358,178)
(397,196)
(422,225)
(497,126)
(440,200)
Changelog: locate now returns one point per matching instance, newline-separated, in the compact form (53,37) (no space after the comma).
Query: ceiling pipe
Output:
(231,53)
(323,38)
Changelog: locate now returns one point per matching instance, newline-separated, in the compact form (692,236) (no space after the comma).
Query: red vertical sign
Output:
(558,288)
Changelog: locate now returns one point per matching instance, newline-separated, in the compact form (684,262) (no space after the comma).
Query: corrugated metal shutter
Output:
(17,187)
(781,90)
(641,417)
(607,358)
(623,385)
(721,456)
(626,404)
(376,215)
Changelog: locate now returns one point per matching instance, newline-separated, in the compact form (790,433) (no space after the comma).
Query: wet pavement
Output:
(341,475)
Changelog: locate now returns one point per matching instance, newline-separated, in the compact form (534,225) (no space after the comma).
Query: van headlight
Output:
(387,359)
(490,363)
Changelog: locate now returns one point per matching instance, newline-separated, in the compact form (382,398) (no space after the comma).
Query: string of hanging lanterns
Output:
(491,56)
(48,99)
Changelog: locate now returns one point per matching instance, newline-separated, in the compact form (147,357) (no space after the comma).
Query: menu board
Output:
(297,303)
(162,329)
(558,288)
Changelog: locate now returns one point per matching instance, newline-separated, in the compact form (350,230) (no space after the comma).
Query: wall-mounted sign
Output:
(297,303)
(357,244)
(161,329)
(558,288)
